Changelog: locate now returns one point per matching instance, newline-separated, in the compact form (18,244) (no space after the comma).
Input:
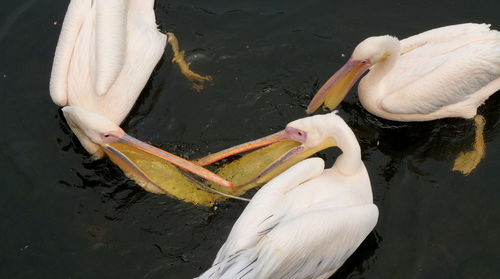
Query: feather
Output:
(76,14)
(110,42)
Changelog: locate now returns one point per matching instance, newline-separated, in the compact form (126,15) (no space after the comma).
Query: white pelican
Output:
(107,135)
(444,72)
(106,52)
(307,221)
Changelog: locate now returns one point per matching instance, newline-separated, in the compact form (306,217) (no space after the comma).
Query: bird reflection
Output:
(440,140)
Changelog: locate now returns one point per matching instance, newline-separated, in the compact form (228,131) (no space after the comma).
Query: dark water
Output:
(63,215)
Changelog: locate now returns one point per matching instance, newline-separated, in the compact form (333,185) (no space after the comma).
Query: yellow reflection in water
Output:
(466,162)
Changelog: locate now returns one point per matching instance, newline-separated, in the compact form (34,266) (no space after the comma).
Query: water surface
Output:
(66,216)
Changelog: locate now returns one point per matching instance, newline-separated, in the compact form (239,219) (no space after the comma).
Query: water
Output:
(66,216)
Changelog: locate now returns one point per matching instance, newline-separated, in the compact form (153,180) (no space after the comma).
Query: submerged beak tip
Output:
(334,90)
(311,110)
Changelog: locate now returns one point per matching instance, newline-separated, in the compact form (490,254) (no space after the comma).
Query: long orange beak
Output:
(336,88)
(285,159)
(171,158)
(214,157)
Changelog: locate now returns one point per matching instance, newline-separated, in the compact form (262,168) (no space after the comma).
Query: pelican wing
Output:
(263,211)
(442,67)
(77,12)
(90,52)
(110,41)
(455,34)
(106,52)
(145,46)
(311,245)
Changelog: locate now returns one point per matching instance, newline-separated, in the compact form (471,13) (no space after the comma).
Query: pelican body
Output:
(106,52)
(307,221)
(444,72)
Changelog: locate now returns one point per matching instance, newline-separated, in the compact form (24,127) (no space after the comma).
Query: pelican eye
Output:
(296,134)
(108,138)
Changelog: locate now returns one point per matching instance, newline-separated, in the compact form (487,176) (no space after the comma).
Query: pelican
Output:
(307,221)
(106,52)
(444,72)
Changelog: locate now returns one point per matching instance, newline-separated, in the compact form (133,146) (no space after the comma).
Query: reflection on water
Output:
(417,142)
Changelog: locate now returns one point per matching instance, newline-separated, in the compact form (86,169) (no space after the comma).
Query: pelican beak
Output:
(282,150)
(113,150)
(214,157)
(336,88)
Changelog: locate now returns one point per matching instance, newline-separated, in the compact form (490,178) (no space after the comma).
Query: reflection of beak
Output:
(336,88)
(171,158)
(284,158)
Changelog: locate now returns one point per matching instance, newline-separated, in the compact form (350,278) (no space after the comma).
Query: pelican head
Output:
(313,131)
(369,52)
(310,134)
(99,134)
(92,129)
(375,49)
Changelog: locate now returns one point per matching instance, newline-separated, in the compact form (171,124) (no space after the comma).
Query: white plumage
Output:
(440,73)
(105,55)
(106,52)
(307,221)
(444,72)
